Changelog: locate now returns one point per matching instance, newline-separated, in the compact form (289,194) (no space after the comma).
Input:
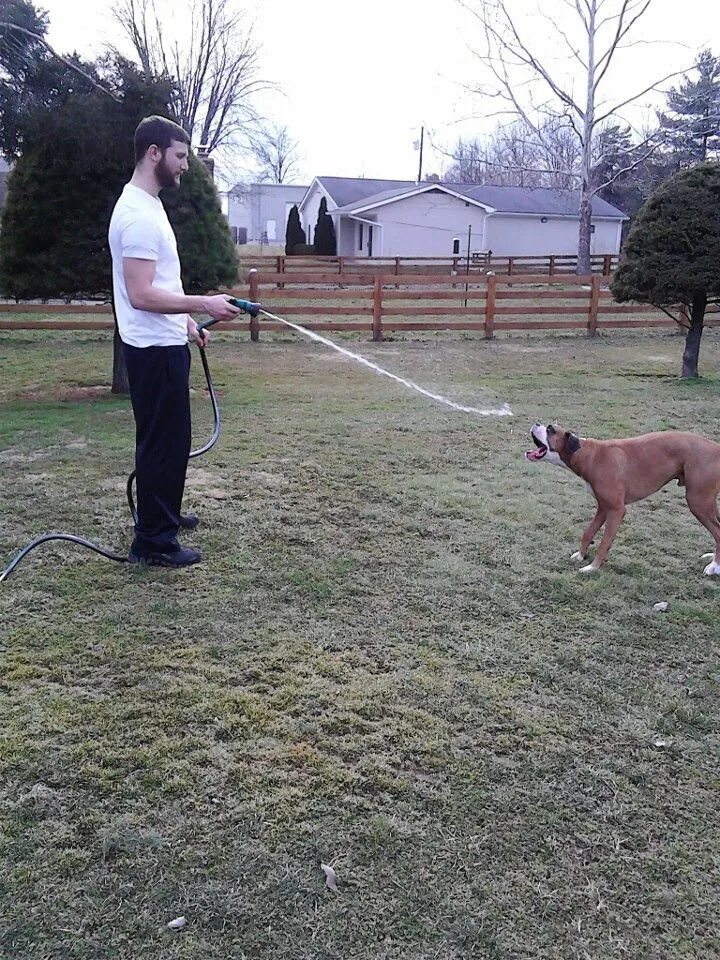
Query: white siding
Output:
(236,211)
(310,210)
(346,232)
(425,225)
(528,236)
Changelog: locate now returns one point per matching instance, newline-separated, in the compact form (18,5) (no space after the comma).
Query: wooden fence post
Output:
(253,297)
(552,265)
(510,266)
(490,307)
(377,331)
(594,305)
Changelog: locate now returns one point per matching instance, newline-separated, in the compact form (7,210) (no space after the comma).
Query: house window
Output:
(360,234)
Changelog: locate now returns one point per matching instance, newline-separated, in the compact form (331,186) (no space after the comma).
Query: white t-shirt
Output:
(140,229)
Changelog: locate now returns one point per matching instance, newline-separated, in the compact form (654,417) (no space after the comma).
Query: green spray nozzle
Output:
(247,306)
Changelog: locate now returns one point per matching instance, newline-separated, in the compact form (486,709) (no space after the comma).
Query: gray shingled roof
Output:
(563,203)
(346,190)
(350,193)
(376,198)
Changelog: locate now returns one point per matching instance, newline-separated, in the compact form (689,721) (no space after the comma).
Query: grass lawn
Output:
(387,663)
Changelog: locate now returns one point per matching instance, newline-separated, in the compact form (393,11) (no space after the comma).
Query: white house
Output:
(258,212)
(405,219)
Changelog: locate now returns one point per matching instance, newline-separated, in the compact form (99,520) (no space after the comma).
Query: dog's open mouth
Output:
(539,452)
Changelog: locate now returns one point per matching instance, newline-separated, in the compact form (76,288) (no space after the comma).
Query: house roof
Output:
(347,190)
(389,195)
(352,194)
(542,200)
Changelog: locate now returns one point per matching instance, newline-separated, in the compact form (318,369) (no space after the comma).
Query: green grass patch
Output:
(387,662)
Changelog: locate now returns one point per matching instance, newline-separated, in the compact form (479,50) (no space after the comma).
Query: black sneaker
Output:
(182,557)
(189,521)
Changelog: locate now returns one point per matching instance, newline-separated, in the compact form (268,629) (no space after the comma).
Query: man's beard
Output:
(164,177)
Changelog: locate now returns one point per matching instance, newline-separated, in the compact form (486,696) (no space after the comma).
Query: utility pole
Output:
(422,138)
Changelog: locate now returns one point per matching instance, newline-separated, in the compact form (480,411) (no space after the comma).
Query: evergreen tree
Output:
(672,255)
(73,147)
(53,241)
(627,182)
(325,239)
(692,123)
(22,57)
(294,233)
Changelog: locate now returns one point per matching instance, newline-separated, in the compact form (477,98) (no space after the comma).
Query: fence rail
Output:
(379,304)
(478,263)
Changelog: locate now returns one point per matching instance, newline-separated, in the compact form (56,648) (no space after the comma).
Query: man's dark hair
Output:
(159,132)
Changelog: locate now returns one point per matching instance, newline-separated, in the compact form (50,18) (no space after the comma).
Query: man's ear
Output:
(572,443)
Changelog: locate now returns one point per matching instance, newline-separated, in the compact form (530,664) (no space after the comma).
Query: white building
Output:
(404,219)
(258,212)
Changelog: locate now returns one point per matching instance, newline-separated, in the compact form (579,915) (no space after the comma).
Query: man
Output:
(154,324)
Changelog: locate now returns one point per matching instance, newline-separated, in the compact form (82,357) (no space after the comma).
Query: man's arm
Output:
(139,276)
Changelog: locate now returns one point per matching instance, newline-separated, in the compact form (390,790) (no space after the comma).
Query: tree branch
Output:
(61,58)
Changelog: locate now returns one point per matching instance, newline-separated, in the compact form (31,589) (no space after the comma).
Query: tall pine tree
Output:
(692,121)
(325,239)
(294,233)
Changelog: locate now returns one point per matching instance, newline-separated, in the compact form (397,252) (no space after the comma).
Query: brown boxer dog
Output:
(623,471)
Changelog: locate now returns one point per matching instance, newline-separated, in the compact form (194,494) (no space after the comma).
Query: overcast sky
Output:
(356,83)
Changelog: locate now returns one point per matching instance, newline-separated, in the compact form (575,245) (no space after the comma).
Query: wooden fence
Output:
(479,263)
(381,304)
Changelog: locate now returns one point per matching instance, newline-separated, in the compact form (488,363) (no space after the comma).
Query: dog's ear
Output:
(572,443)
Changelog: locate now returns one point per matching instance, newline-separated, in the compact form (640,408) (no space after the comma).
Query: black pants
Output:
(159,390)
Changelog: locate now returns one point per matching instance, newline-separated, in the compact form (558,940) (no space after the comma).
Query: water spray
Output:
(254,309)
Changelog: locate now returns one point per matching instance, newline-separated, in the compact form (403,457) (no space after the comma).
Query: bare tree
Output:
(213,67)
(560,153)
(599,29)
(512,155)
(275,153)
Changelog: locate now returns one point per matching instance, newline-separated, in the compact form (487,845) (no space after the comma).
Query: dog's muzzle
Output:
(539,438)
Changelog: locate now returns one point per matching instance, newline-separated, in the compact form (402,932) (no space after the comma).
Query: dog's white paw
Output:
(708,556)
(712,569)
(589,568)
(578,556)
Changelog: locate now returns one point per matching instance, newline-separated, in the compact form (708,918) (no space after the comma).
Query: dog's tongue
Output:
(535,454)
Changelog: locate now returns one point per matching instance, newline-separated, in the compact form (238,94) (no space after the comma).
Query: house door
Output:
(370,240)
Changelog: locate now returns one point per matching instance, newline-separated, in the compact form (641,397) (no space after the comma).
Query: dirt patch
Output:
(260,478)
(209,484)
(65,394)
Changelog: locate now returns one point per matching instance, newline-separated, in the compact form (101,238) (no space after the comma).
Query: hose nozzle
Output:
(247,306)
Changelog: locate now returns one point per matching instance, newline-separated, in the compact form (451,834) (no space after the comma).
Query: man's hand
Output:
(219,307)
(200,337)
